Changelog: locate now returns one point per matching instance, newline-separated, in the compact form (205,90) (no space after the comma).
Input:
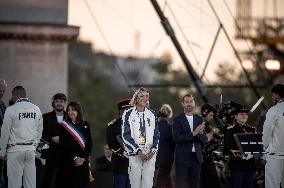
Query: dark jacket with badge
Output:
(118,161)
(230,144)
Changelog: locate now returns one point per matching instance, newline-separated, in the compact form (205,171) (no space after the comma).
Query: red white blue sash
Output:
(74,132)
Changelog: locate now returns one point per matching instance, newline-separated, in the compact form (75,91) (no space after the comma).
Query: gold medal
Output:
(142,139)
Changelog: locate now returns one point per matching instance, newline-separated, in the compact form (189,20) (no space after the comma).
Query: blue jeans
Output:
(121,181)
(241,179)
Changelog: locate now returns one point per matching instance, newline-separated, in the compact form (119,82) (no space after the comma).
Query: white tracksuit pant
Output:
(21,164)
(141,173)
(274,172)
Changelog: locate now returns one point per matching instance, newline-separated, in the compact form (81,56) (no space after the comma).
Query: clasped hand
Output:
(199,129)
(145,157)
(79,161)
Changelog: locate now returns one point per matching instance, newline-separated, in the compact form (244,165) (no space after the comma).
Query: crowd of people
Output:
(66,132)
(143,148)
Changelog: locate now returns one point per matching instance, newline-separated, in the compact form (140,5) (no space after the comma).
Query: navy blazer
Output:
(165,155)
(184,139)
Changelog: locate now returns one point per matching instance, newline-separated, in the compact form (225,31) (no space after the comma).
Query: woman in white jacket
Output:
(140,138)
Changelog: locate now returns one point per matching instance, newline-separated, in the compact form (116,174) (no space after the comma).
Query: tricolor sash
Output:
(74,132)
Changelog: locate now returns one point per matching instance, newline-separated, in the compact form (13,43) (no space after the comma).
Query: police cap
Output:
(241,109)
(123,103)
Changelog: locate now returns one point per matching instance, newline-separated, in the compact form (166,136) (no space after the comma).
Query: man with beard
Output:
(51,135)
(189,135)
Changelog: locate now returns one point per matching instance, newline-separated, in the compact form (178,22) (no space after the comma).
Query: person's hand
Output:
(210,136)
(142,156)
(55,139)
(3,158)
(247,156)
(199,129)
(215,130)
(149,155)
(79,161)
(236,153)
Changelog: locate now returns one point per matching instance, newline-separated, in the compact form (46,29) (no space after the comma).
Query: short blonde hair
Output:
(166,111)
(134,99)
(3,83)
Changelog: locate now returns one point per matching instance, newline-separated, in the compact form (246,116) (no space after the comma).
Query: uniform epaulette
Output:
(229,127)
(111,122)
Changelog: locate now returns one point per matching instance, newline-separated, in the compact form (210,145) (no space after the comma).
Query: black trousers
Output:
(209,176)
(3,174)
(188,176)
(49,172)
(163,178)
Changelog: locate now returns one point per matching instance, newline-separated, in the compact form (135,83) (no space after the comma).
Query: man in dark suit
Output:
(51,135)
(189,135)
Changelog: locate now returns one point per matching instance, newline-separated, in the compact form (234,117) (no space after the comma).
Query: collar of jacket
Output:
(281,100)
(136,111)
(22,99)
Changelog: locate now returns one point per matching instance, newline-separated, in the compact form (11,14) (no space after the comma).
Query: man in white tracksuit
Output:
(273,140)
(20,134)
(140,138)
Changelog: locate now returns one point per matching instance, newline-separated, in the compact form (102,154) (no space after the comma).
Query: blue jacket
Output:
(165,156)
(184,139)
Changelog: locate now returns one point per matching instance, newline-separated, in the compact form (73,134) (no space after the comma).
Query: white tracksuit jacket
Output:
(141,173)
(273,141)
(22,124)
(273,131)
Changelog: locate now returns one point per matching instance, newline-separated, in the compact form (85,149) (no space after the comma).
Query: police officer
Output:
(119,161)
(242,170)
(51,135)
(20,133)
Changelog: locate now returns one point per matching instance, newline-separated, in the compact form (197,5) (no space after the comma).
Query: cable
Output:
(108,45)
(203,26)
(246,40)
(188,42)
(124,20)
(236,53)
(201,10)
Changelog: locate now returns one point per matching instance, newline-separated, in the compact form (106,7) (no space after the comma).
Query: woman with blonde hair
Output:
(165,156)
(140,138)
